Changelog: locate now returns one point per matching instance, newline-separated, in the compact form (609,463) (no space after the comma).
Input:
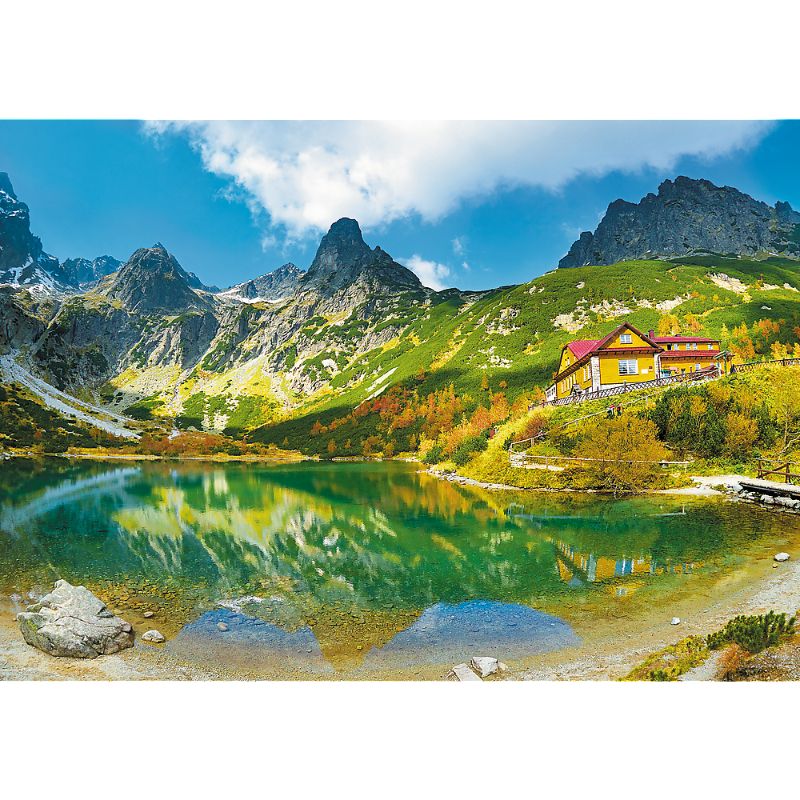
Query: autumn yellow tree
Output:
(669,325)
(741,433)
(625,452)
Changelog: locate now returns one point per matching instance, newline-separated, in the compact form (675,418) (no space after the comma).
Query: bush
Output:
(753,634)
(471,445)
(613,444)
(434,455)
(671,662)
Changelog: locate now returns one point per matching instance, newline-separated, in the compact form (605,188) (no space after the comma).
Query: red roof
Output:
(580,347)
(681,339)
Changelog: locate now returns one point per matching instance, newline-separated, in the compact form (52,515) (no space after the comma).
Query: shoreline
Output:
(704,485)
(216,457)
(622,645)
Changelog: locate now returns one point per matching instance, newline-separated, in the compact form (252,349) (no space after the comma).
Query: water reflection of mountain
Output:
(370,536)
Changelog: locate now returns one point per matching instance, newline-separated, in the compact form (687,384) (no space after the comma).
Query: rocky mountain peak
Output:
(23,261)
(271,287)
(152,280)
(83,272)
(686,216)
(5,185)
(343,257)
(343,244)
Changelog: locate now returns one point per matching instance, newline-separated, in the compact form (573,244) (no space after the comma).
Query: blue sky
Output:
(473,205)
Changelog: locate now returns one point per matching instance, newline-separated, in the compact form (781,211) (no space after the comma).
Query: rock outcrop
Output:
(152,281)
(23,262)
(72,622)
(279,284)
(343,258)
(688,216)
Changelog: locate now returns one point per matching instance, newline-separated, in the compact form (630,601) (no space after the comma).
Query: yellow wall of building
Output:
(688,365)
(609,368)
(636,340)
(581,377)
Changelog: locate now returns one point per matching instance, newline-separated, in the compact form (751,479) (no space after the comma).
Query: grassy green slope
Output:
(514,335)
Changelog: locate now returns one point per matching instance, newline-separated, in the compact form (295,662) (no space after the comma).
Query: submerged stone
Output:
(781,556)
(154,637)
(72,622)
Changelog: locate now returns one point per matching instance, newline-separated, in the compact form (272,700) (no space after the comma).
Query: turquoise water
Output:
(355,566)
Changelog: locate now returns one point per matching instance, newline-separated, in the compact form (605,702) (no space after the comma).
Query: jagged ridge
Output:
(688,216)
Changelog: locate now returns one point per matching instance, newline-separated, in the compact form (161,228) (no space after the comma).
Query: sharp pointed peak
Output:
(5,185)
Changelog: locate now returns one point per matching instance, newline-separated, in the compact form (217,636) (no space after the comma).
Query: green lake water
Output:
(358,568)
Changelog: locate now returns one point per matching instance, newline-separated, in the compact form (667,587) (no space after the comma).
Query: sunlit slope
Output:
(513,336)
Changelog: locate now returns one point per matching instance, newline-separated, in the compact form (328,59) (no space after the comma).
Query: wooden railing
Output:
(750,365)
(783,469)
(548,460)
(709,373)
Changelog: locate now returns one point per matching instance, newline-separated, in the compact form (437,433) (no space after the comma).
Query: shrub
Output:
(755,633)
(614,443)
(740,436)
(472,444)
(434,455)
(731,662)
(671,662)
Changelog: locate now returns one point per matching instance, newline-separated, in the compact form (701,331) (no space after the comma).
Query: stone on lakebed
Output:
(153,636)
(781,556)
(71,622)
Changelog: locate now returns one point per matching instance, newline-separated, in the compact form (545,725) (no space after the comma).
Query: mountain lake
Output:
(368,570)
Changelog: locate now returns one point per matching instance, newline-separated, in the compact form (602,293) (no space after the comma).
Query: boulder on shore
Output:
(71,622)
(486,666)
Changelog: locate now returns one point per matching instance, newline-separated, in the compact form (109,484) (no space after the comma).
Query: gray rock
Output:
(222,626)
(675,621)
(149,614)
(461,672)
(485,665)
(153,636)
(781,556)
(72,622)
(687,216)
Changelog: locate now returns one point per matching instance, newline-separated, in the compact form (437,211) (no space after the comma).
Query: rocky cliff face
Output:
(270,288)
(23,262)
(83,273)
(148,328)
(688,216)
(152,281)
(344,258)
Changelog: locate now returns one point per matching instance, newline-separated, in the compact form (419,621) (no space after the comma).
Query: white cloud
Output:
(459,245)
(305,175)
(431,273)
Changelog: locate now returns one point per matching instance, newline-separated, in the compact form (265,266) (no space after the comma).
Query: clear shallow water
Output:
(345,567)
